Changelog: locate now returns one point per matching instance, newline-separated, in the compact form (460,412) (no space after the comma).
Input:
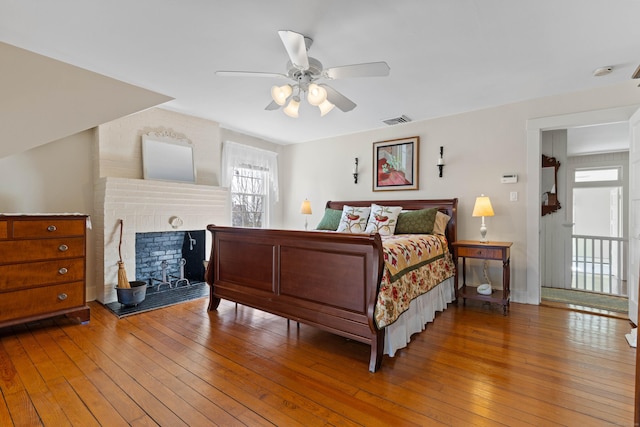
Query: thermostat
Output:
(509,178)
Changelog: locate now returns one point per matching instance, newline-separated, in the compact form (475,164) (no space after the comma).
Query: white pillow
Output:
(440,224)
(383,219)
(354,219)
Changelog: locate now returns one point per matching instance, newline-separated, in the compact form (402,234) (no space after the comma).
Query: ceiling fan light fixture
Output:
(280,94)
(292,107)
(325,106)
(317,94)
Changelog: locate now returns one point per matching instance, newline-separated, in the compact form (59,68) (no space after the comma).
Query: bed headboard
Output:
(448,206)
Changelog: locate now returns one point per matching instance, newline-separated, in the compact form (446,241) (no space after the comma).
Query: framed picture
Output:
(395,164)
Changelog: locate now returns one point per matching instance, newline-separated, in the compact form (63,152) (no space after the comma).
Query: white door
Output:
(634,215)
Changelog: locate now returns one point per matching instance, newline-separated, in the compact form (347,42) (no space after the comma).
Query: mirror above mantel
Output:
(167,157)
(549,185)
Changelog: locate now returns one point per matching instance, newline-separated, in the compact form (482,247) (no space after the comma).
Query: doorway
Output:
(534,152)
(584,250)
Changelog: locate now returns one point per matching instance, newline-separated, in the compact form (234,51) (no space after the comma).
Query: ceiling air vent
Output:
(397,120)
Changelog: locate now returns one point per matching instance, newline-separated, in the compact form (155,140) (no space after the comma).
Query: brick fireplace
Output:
(148,206)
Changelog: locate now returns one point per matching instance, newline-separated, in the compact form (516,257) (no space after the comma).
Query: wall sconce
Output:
(441,161)
(355,172)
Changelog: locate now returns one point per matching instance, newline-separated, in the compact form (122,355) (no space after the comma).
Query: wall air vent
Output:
(397,120)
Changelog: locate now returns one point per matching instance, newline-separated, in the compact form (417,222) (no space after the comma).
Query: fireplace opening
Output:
(171,259)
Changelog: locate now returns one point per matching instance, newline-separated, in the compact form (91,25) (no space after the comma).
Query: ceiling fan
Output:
(306,71)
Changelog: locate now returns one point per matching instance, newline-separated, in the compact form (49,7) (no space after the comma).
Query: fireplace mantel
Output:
(147,206)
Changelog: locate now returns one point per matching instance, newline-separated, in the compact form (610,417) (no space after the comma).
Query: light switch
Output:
(513,196)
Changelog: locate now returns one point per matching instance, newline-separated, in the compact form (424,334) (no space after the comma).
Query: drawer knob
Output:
(63,248)
(63,270)
(52,228)
(62,296)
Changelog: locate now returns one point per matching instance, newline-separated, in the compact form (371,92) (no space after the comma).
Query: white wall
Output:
(52,178)
(119,151)
(479,147)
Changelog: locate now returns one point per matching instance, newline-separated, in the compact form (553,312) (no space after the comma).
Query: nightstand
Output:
(489,251)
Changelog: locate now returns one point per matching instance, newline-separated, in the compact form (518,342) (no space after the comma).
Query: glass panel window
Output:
(595,175)
(248,197)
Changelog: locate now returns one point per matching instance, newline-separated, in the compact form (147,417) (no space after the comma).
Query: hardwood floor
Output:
(181,365)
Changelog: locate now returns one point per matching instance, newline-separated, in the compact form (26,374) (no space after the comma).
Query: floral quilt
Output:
(414,264)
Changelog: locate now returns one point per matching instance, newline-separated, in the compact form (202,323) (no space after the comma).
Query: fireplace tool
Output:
(165,281)
(182,279)
(123,283)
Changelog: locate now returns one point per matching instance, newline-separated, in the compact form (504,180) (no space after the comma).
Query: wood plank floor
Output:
(184,366)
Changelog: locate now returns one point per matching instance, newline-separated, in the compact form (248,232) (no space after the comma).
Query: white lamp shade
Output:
(317,94)
(325,107)
(291,109)
(482,207)
(305,208)
(281,93)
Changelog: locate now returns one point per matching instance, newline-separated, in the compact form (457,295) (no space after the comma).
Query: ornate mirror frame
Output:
(167,157)
(549,185)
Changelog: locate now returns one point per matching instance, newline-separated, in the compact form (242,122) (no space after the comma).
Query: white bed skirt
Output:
(422,310)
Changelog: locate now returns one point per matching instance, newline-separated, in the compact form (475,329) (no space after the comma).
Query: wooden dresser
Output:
(42,267)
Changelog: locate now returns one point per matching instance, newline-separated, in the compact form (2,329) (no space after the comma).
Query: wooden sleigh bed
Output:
(325,279)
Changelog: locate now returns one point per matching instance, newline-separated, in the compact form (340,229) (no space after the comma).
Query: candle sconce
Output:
(441,161)
(355,172)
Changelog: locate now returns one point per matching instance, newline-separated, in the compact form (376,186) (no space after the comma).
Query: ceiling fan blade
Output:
(296,48)
(370,69)
(249,74)
(273,106)
(338,99)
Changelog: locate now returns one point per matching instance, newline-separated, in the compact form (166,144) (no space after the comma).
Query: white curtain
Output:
(236,155)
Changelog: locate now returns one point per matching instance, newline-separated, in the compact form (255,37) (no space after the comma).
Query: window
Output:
(597,201)
(252,177)
(594,175)
(248,197)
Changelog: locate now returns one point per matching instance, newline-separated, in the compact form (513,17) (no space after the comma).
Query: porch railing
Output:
(599,264)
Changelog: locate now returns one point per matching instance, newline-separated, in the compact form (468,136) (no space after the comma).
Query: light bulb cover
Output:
(317,94)
(325,107)
(280,94)
(292,107)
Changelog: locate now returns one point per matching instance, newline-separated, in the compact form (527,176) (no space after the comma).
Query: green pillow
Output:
(416,222)
(330,220)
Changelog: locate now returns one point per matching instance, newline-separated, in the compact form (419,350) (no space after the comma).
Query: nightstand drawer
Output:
(485,253)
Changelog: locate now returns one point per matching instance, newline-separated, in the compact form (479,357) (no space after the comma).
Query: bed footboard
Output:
(328,280)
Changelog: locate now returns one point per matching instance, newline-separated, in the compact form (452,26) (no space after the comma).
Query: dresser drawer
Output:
(45,228)
(41,301)
(3,230)
(36,250)
(484,253)
(19,276)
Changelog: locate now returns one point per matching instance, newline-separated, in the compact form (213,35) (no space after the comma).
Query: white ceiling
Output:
(446,57)
(608,137)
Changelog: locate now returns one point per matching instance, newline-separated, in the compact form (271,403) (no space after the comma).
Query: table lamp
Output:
(305,209)
(483,208)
